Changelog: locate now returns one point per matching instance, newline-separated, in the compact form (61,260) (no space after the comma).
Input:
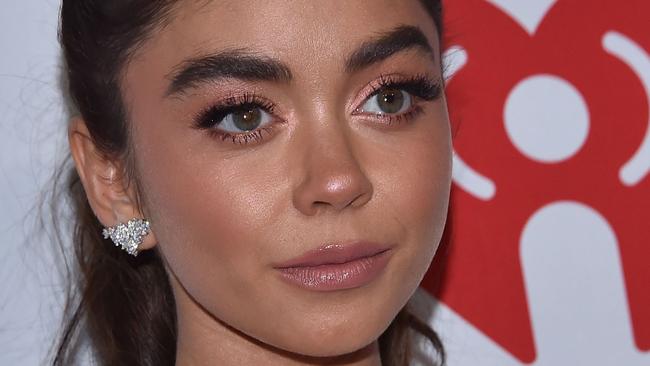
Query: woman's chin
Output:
(332,341)
(343,347)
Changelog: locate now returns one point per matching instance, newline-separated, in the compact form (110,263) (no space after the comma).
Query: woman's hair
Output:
(124,305)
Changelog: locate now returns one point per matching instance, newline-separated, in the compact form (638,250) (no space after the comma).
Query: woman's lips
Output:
(336,266)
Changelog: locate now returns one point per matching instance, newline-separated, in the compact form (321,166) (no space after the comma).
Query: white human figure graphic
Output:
(581,318)
(575,291)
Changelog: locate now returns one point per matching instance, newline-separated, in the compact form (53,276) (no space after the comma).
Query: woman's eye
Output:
(244,120)
(388,101)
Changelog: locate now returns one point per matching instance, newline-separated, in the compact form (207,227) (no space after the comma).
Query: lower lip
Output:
(332,277)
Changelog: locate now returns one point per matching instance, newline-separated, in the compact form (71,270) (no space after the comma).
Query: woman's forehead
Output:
(308,36)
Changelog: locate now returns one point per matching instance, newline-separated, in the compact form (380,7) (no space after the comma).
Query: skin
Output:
(222,214)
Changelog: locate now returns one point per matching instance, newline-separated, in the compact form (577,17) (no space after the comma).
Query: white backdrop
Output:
(589,329)
(32,120)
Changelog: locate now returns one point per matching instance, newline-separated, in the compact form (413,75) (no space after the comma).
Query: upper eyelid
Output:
(385,80)
(368,90)
(231,104)
(373,87)
(237,101)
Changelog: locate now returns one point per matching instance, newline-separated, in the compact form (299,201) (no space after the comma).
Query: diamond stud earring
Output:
(128,236)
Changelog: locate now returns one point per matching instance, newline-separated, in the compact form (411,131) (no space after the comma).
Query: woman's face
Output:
(343,142)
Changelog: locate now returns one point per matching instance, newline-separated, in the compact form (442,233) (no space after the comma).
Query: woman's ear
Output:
(111,197)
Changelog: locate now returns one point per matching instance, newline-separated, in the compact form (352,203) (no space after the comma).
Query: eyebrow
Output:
(238,63)
(244,64)
(399,39)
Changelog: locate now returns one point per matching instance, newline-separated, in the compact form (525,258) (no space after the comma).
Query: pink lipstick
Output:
(336,266)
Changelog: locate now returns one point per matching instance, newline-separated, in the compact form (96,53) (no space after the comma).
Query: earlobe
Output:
(111,199)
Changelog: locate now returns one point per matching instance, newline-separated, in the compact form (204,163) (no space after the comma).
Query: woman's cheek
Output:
(422,187)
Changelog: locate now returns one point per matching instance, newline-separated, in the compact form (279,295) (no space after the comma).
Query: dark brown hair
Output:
(124,305)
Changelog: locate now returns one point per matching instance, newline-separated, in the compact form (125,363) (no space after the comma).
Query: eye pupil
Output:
(390,100)
(248,119)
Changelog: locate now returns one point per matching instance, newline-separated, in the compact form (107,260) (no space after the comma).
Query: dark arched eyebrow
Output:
(245,64)
(238,63)
(399,39)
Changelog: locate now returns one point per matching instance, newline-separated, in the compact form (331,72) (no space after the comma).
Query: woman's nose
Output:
(333,177)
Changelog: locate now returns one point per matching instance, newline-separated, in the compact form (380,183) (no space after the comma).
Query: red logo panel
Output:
(477,272)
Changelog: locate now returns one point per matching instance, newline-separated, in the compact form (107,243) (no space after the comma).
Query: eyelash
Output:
(211,117)
(419,86)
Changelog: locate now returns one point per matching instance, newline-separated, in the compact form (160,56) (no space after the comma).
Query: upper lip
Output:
(335,253)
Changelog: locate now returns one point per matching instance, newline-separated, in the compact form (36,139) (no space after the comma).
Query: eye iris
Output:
(248,119)
(390,100)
